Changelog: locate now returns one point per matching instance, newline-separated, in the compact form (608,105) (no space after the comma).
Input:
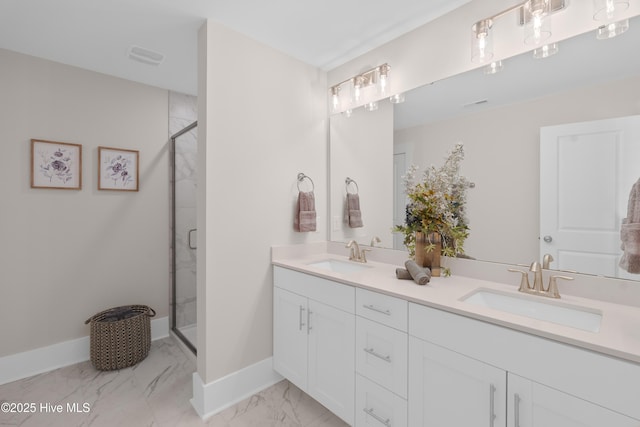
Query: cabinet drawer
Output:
(382,308)
(381,355)
(332,293)
(378,407)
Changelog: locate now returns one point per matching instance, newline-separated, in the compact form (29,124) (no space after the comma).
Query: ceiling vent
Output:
(145,56)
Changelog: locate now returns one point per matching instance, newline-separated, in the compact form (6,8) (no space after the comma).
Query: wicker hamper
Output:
(120,336)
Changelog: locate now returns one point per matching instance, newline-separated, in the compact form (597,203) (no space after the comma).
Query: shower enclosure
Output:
(184,234)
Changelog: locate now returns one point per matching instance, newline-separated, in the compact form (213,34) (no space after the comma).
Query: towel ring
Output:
(302,177)
(350,181)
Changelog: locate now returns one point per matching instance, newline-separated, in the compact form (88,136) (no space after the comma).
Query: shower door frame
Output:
(174,326)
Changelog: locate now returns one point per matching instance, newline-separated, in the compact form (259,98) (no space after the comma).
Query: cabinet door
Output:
(449,389)
(332,359)
(290,336)
(535,405)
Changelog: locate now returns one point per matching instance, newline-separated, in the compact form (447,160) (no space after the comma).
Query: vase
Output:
(426,258)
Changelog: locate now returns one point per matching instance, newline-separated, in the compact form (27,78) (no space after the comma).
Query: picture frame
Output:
(56,165)
(118,169)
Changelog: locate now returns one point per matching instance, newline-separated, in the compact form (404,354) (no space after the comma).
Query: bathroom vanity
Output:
(378,351)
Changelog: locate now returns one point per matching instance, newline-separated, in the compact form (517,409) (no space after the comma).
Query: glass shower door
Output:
(185,238)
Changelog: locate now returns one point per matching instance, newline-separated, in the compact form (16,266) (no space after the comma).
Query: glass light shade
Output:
(494,67)
(398,98)
(609,10)
(612,30)
(383,81)
(371,106)
(358,81)
(537,30)
(348,113)
(546,51)
(335,99)
(481,42)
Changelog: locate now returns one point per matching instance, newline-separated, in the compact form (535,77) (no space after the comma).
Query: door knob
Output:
(547,239)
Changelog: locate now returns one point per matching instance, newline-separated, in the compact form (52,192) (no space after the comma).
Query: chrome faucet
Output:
(355,254)
(538,286)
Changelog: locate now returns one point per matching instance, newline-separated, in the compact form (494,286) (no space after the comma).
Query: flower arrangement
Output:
(436,205)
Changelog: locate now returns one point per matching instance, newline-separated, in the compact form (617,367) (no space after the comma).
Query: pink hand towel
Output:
(305,218)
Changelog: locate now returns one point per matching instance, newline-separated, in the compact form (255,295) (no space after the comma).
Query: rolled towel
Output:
(403,274)
(420,275)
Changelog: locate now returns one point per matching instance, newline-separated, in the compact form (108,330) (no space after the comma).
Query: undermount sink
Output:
(338,266)
(538,308)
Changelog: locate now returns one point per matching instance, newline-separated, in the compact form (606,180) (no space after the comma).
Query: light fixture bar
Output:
(554,6)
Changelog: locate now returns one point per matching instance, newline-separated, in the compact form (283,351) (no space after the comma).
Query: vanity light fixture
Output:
(612,29)
(494,68)
(363,89)
(398,98)
(609,10)
(371,106)
(534,16)
(546,51)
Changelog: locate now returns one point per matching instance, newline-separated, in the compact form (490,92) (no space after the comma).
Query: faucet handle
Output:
(524,280)
(553,285)
(363,254)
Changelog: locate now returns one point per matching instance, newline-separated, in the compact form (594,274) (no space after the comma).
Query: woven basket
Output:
(120,336)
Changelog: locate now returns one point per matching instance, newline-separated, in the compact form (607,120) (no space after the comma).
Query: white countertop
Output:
(619,333)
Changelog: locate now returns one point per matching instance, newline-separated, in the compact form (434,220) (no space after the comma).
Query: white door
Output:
(535,405)
(399,197)
(586,173)
(449,389)
(332,359)
(290,336)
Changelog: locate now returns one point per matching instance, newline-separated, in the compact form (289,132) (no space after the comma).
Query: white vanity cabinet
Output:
(314,329)
(534,405)
(468,372)
(449,389)
(381,360)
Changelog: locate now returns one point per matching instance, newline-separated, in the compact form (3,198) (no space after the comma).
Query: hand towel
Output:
(630,233)
(630,236)
(305,217)
(420,275)
(353,210)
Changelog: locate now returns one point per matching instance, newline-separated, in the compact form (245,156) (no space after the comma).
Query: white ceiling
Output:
(96,35)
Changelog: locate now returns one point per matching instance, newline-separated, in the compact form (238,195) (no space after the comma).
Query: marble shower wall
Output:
(183,112)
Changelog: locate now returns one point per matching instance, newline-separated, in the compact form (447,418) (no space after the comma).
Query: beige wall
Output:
(66,254)
(262,120)
(502,159)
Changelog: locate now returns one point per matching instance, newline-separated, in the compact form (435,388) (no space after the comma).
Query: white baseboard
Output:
(209,399)
(26,364)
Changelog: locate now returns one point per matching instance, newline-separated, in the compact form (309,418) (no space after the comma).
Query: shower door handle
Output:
(189,238)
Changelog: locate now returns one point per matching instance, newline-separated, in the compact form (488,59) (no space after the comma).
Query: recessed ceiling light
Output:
(145,56)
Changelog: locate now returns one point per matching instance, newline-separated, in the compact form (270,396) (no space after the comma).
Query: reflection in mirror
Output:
(498,119)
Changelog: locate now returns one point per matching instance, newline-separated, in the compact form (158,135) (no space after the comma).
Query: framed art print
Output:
(117,169)
(56,165)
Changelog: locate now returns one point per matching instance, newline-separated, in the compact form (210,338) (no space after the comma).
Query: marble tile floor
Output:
(155,392)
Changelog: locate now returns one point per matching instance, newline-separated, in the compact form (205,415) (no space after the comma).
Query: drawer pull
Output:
(378,418)
(376,309)
(378,355)
(492,407)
